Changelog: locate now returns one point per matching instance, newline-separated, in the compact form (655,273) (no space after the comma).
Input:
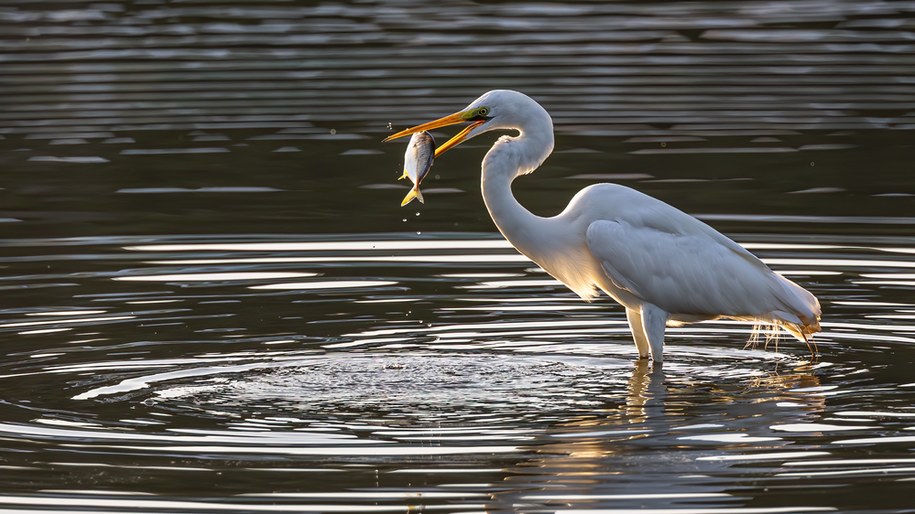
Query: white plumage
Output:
(662,265)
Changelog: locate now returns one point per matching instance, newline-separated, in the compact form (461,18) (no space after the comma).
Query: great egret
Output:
(663,265)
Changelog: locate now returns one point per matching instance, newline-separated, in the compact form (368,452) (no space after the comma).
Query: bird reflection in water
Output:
(646,390)
(632,441)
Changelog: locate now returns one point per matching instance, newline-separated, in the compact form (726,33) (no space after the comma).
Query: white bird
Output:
(663,265)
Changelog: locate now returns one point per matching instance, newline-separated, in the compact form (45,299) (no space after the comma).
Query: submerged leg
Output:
(638,332)
(654,320)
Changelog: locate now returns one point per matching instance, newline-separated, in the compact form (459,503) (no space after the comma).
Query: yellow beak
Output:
(451,119)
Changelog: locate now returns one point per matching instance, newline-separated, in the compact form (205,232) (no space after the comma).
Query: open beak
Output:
(451,119)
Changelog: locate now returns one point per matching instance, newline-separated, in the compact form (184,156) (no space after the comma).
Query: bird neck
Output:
(509,158)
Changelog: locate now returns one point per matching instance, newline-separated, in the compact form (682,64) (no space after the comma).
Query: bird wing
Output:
(678,263)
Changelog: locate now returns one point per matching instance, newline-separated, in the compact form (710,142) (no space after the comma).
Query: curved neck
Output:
(508,214)
(509,158)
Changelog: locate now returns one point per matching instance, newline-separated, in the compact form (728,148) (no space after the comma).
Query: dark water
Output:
(211,300)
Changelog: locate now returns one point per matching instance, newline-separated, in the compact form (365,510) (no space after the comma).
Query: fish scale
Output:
(417,161)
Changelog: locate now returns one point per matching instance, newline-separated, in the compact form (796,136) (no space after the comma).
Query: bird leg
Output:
(654,321)
(638,332)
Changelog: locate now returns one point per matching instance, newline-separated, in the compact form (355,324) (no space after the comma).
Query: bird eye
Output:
(483,111)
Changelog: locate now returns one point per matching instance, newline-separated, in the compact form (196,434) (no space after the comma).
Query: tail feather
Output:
(800,311)
(795,310)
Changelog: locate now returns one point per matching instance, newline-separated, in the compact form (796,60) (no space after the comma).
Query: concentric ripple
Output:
(477,373)
(212,301)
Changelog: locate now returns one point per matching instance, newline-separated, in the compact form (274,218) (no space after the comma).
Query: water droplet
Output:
(663,144)
(417,214)
(333,132)
(404,220)
(419,233)
(390,126)
(812,163)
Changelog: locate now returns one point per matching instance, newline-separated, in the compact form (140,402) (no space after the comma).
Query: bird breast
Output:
(561,249)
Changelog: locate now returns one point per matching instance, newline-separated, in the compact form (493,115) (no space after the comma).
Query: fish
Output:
(417,161)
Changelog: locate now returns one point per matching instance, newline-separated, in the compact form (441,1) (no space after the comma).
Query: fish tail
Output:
(414,193)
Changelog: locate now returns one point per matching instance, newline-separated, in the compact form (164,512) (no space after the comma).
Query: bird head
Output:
(497,109)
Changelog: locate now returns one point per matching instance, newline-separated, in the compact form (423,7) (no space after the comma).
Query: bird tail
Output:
(799,313)
(414,193)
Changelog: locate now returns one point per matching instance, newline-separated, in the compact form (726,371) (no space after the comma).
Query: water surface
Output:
(213,302)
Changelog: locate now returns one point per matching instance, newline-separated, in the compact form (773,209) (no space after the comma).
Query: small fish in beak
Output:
(417,161)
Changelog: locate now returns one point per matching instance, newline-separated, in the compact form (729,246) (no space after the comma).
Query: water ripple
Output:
(176,338)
